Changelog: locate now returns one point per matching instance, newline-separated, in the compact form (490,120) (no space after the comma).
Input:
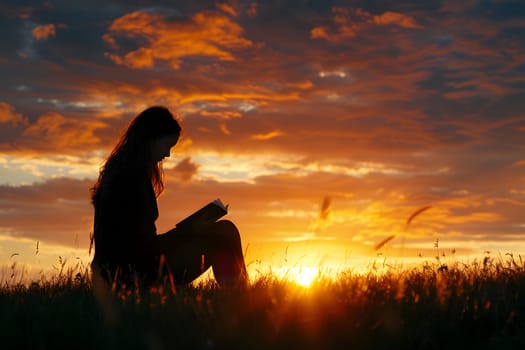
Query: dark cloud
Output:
(185,170)
(57,211)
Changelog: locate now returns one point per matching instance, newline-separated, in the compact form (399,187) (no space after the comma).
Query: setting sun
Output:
(305,275)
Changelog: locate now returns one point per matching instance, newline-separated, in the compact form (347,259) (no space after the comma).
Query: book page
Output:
(212,211)
(219,203)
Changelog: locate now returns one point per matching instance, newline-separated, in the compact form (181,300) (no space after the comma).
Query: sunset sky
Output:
(324,124)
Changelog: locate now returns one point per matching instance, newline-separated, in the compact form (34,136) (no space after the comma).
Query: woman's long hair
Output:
(133,151)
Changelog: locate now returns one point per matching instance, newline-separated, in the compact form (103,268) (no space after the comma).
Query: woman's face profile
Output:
(160,148)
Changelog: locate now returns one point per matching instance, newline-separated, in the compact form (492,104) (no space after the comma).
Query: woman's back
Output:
(124,226)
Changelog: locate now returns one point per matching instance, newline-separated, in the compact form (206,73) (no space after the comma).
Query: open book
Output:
(212,211)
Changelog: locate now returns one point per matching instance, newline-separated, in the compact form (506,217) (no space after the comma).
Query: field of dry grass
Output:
(475,306)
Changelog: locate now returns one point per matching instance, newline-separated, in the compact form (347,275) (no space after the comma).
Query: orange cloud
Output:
(236,8)
(252,9)
(303,85)
(224,129)
(44,32)
(54,131)
(347,23)
(394,18)
(228,9)
(8,115)
(345,27)
(138,59)
(221,114)
(267,136)
(206,34)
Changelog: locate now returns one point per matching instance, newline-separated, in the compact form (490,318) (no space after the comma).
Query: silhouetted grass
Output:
(476,306)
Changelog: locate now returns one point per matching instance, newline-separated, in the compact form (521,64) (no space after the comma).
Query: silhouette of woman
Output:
(127,247)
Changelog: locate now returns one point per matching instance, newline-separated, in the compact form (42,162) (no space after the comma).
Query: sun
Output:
(304,275)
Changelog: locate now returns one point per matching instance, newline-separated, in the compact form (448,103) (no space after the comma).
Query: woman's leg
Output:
(225,255)
(190,254)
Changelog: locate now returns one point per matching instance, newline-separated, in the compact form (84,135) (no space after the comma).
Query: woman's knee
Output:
(227,230)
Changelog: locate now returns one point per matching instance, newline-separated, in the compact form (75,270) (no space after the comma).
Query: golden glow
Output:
(305,275)
(301,275)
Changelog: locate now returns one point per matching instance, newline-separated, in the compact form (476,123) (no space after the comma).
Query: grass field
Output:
(476,306)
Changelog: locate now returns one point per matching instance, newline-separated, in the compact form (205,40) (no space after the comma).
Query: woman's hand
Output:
(203,223)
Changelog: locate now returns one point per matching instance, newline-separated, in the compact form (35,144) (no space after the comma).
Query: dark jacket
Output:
(124,228)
